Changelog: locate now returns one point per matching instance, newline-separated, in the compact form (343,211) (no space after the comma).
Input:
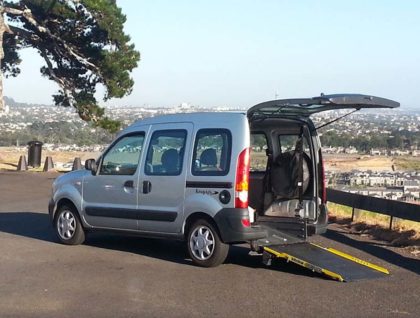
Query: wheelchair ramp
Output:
(326,261)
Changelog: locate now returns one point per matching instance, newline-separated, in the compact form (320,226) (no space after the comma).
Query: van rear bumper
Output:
(320,227)
(229,223)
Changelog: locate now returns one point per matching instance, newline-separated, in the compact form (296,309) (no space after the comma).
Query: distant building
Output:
(378,152)
(351,150)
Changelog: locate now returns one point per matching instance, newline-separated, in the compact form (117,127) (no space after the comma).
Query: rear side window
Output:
(212,150)
(166,152)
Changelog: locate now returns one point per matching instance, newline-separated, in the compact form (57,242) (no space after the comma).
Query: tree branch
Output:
(68,91)
(61,82)
(24,33)
(27,14)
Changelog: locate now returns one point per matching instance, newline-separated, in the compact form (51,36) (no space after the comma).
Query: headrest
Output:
(170,157)
(208,157)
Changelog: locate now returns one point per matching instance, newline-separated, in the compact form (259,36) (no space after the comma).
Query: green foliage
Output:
(401,139)
(10,65)
(408,163)
(258,140)
(83,44)
(58,133)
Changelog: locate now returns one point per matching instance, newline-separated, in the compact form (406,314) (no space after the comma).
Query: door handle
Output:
(129,184)
(147,187)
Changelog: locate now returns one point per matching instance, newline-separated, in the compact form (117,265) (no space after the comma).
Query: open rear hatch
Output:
(286,236)
(309,106)
(287,172)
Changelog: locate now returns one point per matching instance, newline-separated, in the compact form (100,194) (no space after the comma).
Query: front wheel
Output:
(204,245)
(68,227)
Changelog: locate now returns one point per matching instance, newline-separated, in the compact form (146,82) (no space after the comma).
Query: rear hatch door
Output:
(304,107)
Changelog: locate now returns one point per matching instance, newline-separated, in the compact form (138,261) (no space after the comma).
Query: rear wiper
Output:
(334,120)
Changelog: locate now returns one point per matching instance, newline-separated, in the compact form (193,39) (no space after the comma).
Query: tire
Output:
(204,245)
(68,227)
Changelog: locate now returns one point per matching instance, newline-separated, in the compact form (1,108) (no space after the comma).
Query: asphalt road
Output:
(112,276)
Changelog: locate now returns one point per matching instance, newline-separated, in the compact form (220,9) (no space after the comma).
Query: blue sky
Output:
(241,52)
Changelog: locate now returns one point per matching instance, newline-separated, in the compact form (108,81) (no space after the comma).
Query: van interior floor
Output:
(276,236)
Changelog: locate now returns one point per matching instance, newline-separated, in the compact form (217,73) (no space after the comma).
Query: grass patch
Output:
(403,232)
(407,163)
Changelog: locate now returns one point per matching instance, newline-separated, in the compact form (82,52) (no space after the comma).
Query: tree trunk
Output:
(2,30)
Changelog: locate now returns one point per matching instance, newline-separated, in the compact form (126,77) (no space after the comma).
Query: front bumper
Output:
(229,222)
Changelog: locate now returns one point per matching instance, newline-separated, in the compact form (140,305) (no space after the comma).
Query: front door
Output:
(162,179)
(110,196)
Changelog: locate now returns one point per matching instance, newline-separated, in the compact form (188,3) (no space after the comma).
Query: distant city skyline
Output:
(240,52)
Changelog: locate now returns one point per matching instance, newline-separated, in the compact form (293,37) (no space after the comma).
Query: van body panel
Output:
(111,200)
(198,200)
(67,187)
(163,204)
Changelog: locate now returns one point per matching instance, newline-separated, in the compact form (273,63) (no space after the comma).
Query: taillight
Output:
(323,184)
(246,222)
(242,180)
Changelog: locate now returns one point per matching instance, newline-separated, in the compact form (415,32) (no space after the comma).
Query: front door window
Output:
(123,157)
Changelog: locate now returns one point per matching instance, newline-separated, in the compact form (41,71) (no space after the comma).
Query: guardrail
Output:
(398,209)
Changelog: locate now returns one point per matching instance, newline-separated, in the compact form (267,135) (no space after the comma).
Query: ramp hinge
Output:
(267,258)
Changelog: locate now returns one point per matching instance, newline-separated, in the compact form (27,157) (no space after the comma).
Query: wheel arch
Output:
(197,216)
(68,202)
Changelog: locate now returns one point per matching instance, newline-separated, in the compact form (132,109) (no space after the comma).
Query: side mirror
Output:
(90,164)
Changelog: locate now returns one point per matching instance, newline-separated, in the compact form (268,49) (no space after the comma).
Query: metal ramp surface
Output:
(328,261)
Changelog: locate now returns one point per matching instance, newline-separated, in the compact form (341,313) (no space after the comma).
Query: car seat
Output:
(170,161)
(284,175)
(208,158)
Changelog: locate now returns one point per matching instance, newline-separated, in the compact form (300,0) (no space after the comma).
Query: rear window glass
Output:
(288,143)
(258,160)
(212,151)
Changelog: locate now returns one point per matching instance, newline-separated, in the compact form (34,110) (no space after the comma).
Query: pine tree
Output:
(83,45)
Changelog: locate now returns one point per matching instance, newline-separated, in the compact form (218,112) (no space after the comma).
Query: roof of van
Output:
(199,117)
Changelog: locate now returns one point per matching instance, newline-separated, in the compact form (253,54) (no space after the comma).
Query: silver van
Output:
(210,179)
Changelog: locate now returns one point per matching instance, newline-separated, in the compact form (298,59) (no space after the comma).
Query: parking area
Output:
(113,276)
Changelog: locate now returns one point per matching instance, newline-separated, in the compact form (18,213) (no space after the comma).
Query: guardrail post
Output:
(352,213)
(390,222)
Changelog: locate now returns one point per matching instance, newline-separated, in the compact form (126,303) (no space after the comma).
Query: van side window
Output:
(258,157)
(212,150)
(166,152)
(123,157)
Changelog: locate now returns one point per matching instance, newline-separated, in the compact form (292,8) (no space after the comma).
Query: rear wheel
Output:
(68,227)
(205,246)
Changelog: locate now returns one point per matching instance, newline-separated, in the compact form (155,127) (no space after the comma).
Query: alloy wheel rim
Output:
(202,243)
(66,225)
